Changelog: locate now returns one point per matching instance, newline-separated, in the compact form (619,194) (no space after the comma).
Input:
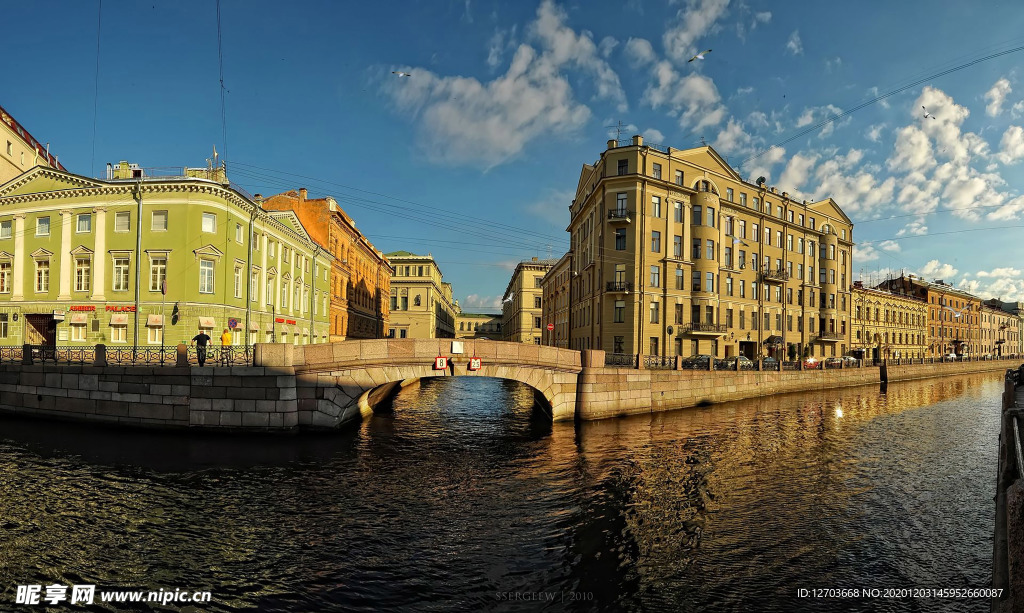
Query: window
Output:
(743,289)
(678,206)
(5,277)
(654,312)
(654,346)
(679,279)
(655,206)
(755,232)
(741,229)
(620,239)
(205,276)
(238,281)
(778,212)
(620,312)
(679,177)
(695,215)
(159,221)
(656,171)
(42,275)
(812,222)
(270,290)
(120,274)
(728,286)
(536,302)
(537,282)
(623,167)
(271,249)
(778,238)
(536,322)
(655,276)
(209,222)
(728,257)
(156,335)
(284,294)
(10,148)
(83,270)
(119,334)
(728,194)
(42,226)
(84,223)
(656,241)
(710,249)
(789,216)
(238,233)
(743,198)
(621,202)
(123,221)
(157,272)
(695,281)
(696,249)
(5,229)
(709,282)
(711,217)
(78,332)
(254,287)
(757,202)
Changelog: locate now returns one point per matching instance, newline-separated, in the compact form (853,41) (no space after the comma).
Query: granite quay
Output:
(1008,542)
(327,386)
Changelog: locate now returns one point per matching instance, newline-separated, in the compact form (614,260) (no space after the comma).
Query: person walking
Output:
(200,340)
(225,347)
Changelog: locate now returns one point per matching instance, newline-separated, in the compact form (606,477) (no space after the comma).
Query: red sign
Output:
(121,309)
(83,307)
(475,363)
(440,363)
(551,327)
(290,321)
(279,320)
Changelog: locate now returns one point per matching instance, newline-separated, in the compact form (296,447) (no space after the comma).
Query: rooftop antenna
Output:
(619,129)
(703,142)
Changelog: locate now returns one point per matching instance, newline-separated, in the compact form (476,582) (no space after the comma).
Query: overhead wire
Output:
(96,86)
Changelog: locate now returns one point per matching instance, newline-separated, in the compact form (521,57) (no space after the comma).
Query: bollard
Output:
(182,356)
(100,358)
(26,355)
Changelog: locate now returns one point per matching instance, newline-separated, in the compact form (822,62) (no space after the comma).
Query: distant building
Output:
(888,324)
(522,302)
(478,325)
(1001,327)
(954,318)
(20,151)
(421,302)
(555,304)
(360,275)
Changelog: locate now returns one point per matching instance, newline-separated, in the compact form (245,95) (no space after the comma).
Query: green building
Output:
(77,267)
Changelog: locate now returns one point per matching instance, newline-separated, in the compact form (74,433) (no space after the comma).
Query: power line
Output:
(223,110)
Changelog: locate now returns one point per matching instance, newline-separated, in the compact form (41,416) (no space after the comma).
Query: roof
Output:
(24,135)
(402,254)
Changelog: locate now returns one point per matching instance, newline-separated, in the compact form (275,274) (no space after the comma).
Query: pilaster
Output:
(99,264)
(65,255)
(19,263)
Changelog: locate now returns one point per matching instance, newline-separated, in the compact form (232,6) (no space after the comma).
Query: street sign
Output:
(475,363)
(551,327)
(232,323)
(440,363)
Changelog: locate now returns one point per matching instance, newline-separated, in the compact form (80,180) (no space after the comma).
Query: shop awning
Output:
(305,331)
(78,318)
(254,325)
(773,340)
(119,320)
(282,328)
(207,322)
(154,320)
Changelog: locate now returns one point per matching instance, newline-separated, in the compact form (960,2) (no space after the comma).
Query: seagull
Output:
(736,240)
(927,114)
(401,74)
(956,314)
(510,296)
(699,56)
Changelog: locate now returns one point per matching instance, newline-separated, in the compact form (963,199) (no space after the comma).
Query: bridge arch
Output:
(337,383)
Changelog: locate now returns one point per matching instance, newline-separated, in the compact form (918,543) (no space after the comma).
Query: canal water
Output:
(466,498)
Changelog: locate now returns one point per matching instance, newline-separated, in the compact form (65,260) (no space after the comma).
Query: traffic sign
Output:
(551,327)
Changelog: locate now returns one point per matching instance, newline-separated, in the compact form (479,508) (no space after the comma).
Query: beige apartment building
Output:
(677,254)
(888,324)
(999,331)
(522,302)
(954,318)
(421,302)
(1014,341)
(478,326)
(20,151)
(555,303)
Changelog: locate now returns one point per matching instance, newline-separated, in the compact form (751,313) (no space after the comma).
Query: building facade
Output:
(1014,344)
(20,151)
(1000,331)
(954,318)
(522,302)
(478,326)
(676,254)
(555,303)
(360,275)
(421,302)
(78,267)
(888,324)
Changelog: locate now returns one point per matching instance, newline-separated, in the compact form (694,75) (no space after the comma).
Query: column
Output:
(261,291)
(19,263)
(99,259)
(65,256)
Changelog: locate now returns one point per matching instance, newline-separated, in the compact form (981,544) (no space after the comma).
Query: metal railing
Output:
(231,355)
(659,362)
(620,286)
(699,327)
(64,354)
(830,336)
(10,355)
(122,356)
(619,213)
(234,355)
(620,359)
(778,274)
(791,366)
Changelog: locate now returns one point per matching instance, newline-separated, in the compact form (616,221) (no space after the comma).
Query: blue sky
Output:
(475,157)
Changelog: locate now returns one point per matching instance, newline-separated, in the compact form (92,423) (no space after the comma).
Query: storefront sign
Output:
(58,315)
(440,363)
(290,322)
(279,320)
(121,309)
(83,307)
(475,363)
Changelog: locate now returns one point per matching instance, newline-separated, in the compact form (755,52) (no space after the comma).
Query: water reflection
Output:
(462,492)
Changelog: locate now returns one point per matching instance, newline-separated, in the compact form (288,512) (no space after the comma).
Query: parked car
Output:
(849,360)
(730,363)
(950,357)
(833,362)
(811,363)
(769,363)
(697,362)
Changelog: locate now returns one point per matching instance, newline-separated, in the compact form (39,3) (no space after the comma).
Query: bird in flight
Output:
(956,314)
(699,56)
(927,114)
(400,73)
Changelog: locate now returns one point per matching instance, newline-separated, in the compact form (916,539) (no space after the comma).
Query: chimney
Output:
(638,140)
(258,198)
(612,143)
(303,193)
(534,259)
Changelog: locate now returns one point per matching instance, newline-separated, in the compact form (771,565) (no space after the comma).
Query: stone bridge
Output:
(340,382)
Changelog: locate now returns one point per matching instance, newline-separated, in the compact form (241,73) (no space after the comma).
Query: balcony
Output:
(704,329)
(774,276)
(831,337)
(619,215)
(620,286)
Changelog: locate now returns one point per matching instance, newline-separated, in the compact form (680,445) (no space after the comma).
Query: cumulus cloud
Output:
(1017,110)
(640,52)
(606,46)
(699,18)
(653,135)
(914,228)
(762,165)
(733,140)
(796,173)
(1012,209)
(694,99)
(874,133)
(817,114)
(997,96)
(854,189)
(890,245)
(874,93)
(476,301)
(465,121)
(936,270)
(864,252)
(793,45)
(912,151)
(1000,272)
(1011,146)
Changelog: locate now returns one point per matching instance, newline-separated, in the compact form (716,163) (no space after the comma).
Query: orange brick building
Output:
(361,275)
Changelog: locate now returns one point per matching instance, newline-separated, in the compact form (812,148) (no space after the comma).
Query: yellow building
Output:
(20,151)
(555,304)
(954,317)
(522,302)
(888,324)
(421,302)
(478,325)
(677,254)
(999,331)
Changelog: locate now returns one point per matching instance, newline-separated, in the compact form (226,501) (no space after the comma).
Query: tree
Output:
(792,352)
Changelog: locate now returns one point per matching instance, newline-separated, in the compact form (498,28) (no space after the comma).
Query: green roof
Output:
(401,254)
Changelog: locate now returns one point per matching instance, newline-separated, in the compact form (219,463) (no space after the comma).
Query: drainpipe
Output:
(642,247)
(248,281)
(137,194)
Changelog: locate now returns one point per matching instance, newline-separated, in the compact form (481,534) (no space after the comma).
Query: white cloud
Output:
(476,301)
(553,207)
(936,270)
(797,172)
(864,252)
(1000,272)
(762,165)
(874,133)
(743,91)
(1017,110)
(833,63)
(912,151)
(914,228)
(793,45)
(758,119)
(693,98)
(501,42)
(889,245)
(606,46)
(1005,289)
(653,135)
(1009,210)
(857,190)
(874,93)
(697,20)
(462,120)
(733,140)
(640,52)
(818,114)
(997,96)
(763,17)
(945,129)
(1011,146)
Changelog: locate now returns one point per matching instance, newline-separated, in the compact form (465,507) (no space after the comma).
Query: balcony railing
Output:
(619,214)
(831,336)
(659,362)
(620,286)
(778,275)
(705,328)
(620,359)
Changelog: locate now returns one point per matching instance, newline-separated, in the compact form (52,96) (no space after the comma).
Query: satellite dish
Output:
(760,180)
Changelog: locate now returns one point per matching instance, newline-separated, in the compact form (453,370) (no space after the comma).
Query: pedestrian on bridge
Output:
(200,340)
